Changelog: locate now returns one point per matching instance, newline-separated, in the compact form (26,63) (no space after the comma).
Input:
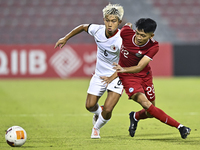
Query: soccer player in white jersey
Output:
(108,40)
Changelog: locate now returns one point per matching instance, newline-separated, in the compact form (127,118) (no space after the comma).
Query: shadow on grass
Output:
(29,147)
(154,134)
(162,138)
(188,141)
(146,135)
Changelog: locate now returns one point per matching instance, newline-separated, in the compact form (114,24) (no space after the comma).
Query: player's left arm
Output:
(133,69)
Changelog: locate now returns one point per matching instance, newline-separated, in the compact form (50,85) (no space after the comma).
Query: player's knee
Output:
(89,107)
(142,100)
(107,110)
(137,97)
(145,104)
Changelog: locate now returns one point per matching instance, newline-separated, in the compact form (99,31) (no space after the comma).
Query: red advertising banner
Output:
(43,61)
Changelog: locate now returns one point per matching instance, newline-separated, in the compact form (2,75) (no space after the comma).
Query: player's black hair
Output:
(146,24)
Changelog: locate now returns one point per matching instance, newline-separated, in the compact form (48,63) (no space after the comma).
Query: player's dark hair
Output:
(146,24)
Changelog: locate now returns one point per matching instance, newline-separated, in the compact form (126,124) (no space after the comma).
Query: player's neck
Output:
(111,35)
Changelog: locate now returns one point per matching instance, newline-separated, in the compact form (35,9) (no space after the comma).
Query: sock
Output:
(100,122)
(162,116)
(180,126)
(140,115)
(98,111)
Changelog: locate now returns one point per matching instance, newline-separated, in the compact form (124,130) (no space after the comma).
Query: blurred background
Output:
(43,22)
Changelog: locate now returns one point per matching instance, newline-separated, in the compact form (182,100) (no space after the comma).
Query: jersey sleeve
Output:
(125,31)
(152,51)
(92,29)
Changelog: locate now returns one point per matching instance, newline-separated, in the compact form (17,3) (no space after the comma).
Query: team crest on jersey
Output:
(139,54)
(131,89)
(113,47)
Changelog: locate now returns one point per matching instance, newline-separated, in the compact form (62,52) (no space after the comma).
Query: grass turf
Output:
(54,116)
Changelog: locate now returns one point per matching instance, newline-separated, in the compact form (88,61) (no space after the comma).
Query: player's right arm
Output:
(62,41)
(133,69)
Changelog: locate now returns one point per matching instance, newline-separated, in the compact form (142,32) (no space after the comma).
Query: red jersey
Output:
(131,54)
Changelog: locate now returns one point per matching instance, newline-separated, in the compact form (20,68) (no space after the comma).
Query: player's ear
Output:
(152,35)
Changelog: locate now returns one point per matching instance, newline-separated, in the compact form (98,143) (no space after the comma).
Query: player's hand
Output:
(118,68)
(129,24)
(106,80)
(61,42)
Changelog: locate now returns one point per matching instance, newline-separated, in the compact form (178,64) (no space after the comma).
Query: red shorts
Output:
(135,84)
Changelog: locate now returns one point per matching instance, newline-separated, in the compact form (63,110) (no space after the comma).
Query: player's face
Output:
(141,37)
(111,22)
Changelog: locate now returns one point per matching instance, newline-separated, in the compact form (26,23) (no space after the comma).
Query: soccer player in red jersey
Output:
(138,49)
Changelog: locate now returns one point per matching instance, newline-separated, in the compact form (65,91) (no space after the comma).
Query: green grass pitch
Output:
(54,116)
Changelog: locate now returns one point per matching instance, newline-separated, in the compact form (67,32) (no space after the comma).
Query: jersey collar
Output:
(139,45)
(112,35)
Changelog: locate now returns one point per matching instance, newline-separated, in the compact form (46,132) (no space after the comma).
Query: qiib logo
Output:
(65,62)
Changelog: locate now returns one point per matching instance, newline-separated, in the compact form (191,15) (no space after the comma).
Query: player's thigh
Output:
(133,87)
(96,87)
(116,86)
(95,91)
(111,101)
(91,100)
(115,89)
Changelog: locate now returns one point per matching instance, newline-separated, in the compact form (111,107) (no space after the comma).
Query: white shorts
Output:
(97,87)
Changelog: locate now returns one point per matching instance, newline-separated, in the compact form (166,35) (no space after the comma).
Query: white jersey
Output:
(108,49)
